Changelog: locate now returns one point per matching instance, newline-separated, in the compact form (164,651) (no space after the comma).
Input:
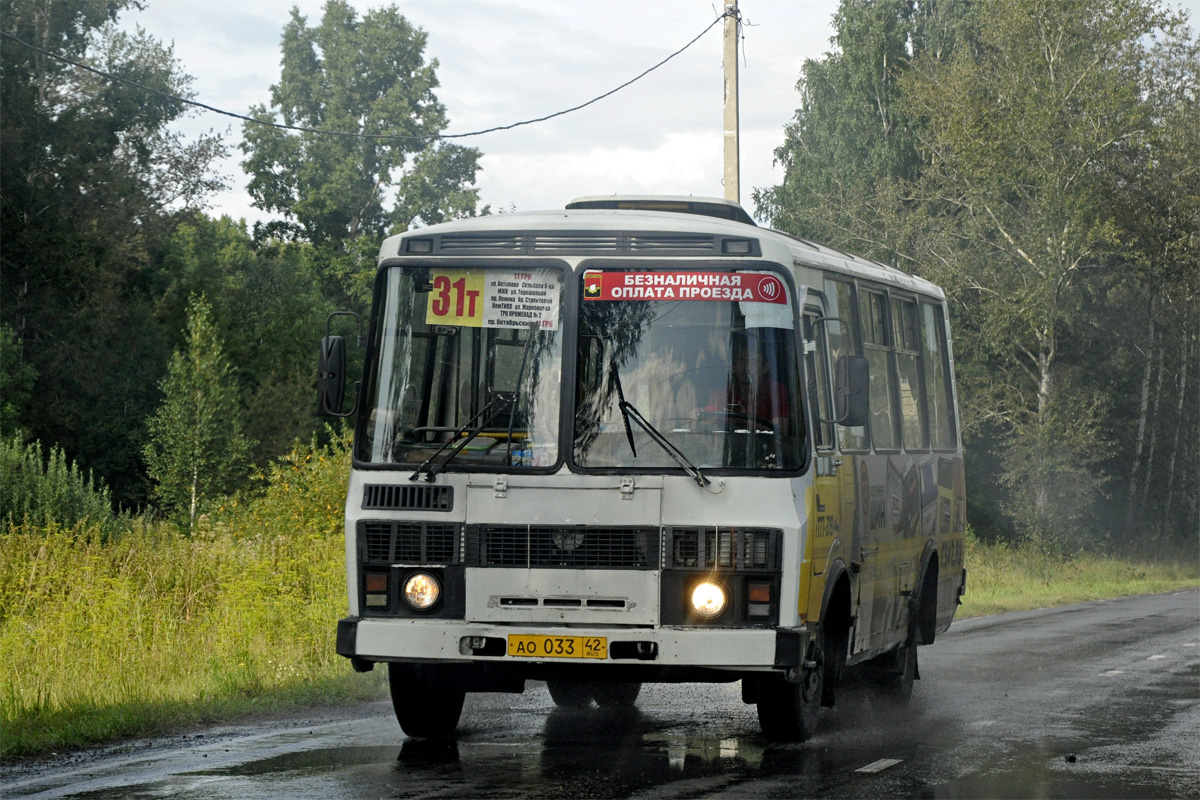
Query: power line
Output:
(351,134)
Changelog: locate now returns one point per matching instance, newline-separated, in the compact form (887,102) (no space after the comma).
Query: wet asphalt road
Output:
(1100,700)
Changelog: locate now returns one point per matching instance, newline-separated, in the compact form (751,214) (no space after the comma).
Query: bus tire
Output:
(788,712)
(896,689)
(616,695)
(835,642)
(428,702)
(570,694)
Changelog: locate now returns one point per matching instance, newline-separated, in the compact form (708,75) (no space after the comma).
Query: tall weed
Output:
(92,627)
(44,489)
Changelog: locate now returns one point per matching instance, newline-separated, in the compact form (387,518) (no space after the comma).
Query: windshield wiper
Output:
(631,412)
(621,405)
(454,437)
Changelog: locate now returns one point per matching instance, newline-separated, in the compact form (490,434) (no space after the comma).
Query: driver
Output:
(752,391)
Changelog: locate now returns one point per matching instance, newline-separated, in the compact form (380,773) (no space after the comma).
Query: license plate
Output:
(530,646)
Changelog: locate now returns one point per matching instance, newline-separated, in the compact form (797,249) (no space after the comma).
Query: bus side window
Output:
(938,386)
(877,349)
(843,341)
(907,351)
(816,368)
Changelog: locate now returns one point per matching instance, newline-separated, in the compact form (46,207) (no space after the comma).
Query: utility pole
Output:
(732,168)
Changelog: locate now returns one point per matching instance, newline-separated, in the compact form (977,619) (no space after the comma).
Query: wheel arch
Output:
(836,620)
(836,600)
(925,600)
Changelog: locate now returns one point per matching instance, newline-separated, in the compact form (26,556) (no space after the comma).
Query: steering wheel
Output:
(752,421)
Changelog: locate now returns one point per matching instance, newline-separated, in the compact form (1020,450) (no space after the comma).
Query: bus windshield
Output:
(706,357)
(469,359)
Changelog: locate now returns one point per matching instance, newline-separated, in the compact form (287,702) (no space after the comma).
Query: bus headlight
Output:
(708,600)
(422,590)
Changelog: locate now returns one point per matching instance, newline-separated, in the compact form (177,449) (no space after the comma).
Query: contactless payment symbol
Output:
(769,288)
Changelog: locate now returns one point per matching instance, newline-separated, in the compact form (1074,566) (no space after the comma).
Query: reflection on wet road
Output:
(1100,700)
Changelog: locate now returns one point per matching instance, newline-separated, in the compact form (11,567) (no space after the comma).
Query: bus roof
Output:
(683,213)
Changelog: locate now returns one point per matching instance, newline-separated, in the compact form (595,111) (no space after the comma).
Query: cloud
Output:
(682,163)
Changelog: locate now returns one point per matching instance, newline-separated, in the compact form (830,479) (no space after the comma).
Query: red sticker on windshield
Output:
(718,286)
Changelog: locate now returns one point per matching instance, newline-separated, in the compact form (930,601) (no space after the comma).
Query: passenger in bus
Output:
(752,391)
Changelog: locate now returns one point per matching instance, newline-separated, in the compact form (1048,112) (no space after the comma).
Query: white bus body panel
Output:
(488,591)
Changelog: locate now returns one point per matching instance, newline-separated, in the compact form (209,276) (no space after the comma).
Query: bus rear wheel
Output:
(616,695)
(897,687)
(570,694)
(428,702)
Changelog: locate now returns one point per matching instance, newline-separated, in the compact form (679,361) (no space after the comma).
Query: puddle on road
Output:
(319,760)
(595,753)
(925,752)
(611,754)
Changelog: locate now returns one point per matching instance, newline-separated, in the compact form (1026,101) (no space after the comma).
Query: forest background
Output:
(1040,159)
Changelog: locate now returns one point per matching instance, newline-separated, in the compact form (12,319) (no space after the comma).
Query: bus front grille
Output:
(707,548)
(570,547)
(385,542)
(407,497)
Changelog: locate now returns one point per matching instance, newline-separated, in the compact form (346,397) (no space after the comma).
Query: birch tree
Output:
(1022,139)
(197,451)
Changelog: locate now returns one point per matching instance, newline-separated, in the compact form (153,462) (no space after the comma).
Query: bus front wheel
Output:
(787,712)
(427,701)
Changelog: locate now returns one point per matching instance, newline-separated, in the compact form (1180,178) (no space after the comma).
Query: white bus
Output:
(645,440)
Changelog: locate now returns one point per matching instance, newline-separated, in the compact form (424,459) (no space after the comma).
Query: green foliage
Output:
(88,173)
(359,76)
(104,243)
(1050,472)
(852,144)
(269,308)
(16,382)
(108,637)
(1039,161)
(197,451)
(1023,138)
(46,489)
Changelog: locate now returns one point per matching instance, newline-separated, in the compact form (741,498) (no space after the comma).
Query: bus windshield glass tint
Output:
(469,358)
(706,357)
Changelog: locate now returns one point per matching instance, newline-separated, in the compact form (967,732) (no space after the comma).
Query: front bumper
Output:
(724,650)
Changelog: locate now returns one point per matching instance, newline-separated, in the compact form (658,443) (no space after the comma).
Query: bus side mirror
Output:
(850,391)
(331,376)
(331,369)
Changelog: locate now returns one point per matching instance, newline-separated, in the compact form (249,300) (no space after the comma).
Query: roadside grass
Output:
(105,636)
(44,730)
(1003,577)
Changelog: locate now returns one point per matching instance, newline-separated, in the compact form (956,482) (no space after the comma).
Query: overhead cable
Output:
(352,134)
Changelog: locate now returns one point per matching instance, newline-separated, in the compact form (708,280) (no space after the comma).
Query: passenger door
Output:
(831,505)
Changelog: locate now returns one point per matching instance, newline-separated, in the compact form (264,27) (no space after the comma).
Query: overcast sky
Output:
(503,61)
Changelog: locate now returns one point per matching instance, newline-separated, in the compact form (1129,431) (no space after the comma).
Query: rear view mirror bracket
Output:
(851,387)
